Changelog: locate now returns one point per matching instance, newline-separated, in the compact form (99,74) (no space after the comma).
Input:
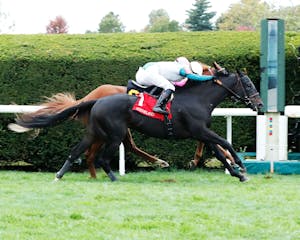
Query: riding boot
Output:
(160,106)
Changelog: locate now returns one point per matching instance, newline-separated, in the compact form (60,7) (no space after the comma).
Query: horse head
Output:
(242,89)
(248,92)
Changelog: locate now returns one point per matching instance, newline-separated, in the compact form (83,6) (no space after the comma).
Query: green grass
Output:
(149,205)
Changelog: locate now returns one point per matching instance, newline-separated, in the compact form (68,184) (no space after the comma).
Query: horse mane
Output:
(205,84)
(205,66)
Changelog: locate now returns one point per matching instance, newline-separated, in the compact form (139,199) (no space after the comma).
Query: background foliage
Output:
(199,17)
(32,66)
(110,24)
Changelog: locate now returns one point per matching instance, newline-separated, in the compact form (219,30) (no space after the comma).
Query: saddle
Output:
(133,88)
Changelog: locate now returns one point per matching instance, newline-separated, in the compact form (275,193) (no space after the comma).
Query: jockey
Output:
(167,75)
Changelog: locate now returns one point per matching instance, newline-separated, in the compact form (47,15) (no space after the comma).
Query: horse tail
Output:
(46,120)
(61,101)
(54,104)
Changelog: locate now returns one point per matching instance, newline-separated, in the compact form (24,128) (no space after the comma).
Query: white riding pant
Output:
(152,77)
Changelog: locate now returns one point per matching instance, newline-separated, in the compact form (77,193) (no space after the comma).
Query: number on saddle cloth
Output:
(144,105)
(133,88)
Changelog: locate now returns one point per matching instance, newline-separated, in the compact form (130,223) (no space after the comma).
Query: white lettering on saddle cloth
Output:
(145,112)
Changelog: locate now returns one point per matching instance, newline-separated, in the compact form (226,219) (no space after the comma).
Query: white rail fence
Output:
(228,113)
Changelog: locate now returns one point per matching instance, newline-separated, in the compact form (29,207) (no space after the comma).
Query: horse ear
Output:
(217,66)
(240,73)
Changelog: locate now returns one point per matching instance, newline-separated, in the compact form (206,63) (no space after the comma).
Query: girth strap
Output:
(169,126)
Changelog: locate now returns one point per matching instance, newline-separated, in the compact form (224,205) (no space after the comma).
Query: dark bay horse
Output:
(110,117)
(61,101)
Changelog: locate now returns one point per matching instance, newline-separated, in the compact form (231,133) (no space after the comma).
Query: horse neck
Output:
(208,93)
(221,92)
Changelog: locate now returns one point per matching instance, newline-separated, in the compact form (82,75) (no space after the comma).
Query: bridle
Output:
(247,99)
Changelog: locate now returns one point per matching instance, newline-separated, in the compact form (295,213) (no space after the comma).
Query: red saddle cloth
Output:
(144,105)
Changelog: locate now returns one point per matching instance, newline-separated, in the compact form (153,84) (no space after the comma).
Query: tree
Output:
(244,16)
(111,23)
(291,17)
(57,26)
(159,21)
(199,18)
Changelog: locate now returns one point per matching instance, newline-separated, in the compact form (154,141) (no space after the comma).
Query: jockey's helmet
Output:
(183,61)
(196,67)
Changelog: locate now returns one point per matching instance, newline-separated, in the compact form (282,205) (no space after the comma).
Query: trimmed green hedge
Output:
(32,66)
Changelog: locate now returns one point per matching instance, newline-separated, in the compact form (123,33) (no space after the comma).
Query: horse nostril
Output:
(260,105)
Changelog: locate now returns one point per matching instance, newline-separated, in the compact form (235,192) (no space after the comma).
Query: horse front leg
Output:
(197,156)
(130,145)
(232,160)
(226,154)
(231,168)
(199,153)
(235,160)
(211,137)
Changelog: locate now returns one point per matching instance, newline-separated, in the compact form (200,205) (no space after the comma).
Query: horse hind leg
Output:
(106,156)
(79,148)
(90,158)
(130,145)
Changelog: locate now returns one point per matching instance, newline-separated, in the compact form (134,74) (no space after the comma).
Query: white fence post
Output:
(229,129)
(122,160)
(261,133)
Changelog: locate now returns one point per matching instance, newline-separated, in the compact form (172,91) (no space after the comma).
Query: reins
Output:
(246,99)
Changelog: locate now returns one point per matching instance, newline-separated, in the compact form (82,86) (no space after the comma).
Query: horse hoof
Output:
(78,161)
(192,165)
(112,177)
(163,164)
(244,179)
(58,176)
(17,128)
(56,179)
